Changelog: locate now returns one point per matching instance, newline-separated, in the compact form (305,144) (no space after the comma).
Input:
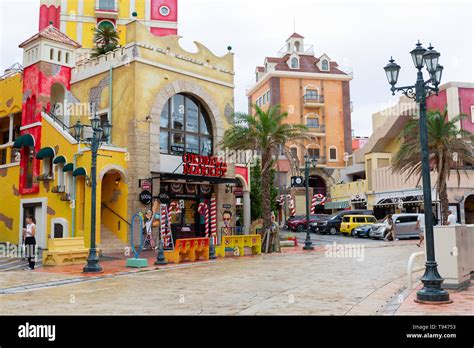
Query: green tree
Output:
(106,39)
(450,149)
(265,132)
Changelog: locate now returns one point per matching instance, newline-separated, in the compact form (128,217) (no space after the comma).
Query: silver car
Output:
(405,227)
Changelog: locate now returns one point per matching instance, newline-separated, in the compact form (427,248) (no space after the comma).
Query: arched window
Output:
(295,64)
(297,46)
(60,53)
(325,65)
(51,54)
(333,153)
(185,127)
(67,58)
(106,24)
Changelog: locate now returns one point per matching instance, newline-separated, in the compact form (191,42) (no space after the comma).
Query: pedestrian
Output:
(390,229)
(275,240)
(148,231)
(420,225)
(452,221)
(29,236)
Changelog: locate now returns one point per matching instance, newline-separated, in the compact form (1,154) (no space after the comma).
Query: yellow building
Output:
(168,107)
(78,18)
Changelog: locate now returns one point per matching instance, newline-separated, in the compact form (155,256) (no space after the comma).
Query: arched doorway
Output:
(469,210)
(113,208)
(58,103)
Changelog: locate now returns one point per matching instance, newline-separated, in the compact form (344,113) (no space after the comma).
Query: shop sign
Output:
(146,185)
(203,166)
(146,197)
(164,198)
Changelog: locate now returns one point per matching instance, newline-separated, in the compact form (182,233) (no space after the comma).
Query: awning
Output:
(68,167)
(79,172)
(25,140)
(337,205)
(45,152)
(197,179)
(60,160)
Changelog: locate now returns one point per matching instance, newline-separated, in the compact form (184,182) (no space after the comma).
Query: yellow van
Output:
(351,222)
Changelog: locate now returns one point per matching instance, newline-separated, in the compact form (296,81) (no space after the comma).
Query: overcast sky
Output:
(360,35)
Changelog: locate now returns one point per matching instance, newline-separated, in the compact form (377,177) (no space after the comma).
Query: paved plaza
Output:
(292,283)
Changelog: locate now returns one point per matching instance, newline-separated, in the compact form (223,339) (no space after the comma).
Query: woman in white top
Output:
(29,234)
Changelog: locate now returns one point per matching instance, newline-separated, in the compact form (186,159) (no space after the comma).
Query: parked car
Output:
(405,227)
(351,222)
(333,224)
(291,218)
(299,224)
(363,231)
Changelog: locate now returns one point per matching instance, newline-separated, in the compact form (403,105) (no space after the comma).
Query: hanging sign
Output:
(146,185)
(164,198)
(146,197)
(203,166)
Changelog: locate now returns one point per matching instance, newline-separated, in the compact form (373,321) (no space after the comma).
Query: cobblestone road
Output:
(285,284)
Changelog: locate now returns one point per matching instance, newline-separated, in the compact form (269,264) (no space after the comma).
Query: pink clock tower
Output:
(165,15)
(50,13)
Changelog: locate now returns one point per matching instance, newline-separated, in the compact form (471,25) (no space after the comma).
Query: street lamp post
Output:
(95,142)
(432,281)
(308,244)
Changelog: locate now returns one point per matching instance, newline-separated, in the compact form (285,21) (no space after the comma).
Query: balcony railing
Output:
(305,50)
(313,100)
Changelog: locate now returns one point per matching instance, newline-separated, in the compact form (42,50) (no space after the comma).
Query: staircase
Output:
(110,243)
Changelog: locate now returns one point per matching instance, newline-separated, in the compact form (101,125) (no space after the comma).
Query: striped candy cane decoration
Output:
(281,200)
(204,210)
(214,219)
(174,208)
(314,203)
(291,205)
(165,225)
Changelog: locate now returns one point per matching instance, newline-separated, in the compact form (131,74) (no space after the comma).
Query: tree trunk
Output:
(266,189)
(443,198)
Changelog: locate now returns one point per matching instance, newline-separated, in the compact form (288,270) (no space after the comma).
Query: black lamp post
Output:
(95,142)
(308,244)
(432,281)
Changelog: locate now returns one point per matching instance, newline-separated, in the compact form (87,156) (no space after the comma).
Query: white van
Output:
(405,227)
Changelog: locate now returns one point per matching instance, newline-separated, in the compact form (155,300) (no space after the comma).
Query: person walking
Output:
(148,231)
(452,221)
(420,225)
(29,236)
(390,229)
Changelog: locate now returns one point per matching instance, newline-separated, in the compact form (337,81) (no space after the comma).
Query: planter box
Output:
(453,247)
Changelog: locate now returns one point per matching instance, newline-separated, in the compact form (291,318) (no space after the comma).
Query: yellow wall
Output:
(11,94)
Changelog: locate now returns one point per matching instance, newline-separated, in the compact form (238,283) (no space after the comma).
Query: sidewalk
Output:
(463,304)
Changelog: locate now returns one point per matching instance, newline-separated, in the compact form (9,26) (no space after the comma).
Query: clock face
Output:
(299,180)
(164,11)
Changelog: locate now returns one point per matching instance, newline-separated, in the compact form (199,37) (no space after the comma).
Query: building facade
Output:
(314,92)
(368,179)
(78,18)
(169,109)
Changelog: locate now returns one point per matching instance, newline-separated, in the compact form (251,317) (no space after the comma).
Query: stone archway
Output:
(185,87)
(469,210)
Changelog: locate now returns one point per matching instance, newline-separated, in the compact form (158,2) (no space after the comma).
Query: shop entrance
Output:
(188,223)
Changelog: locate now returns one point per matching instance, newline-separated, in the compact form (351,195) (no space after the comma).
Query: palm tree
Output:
(450,149)
(106,39)
(265,133)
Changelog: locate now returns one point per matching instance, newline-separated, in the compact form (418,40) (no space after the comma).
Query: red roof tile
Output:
(53,34)
(296,35)
(307,64)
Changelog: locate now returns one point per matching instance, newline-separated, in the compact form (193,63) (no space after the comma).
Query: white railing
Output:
(304,49)
(416,263)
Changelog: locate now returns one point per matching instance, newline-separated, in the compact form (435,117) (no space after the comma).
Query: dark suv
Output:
(333,224)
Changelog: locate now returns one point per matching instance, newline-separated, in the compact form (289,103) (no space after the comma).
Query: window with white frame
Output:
(294,153)
(325,65)
(61,174)
(333,153)
(294,63)
(69,182)
(48,167)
